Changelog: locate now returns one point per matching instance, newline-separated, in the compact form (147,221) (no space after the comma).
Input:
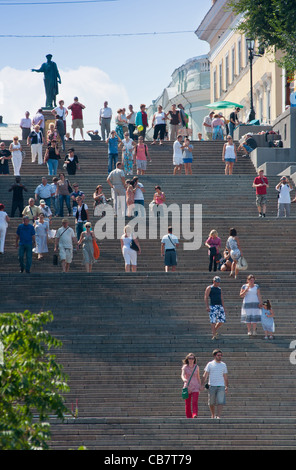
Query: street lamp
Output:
(250,45)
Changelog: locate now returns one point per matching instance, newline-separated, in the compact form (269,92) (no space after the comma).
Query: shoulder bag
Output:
(185,393)
(133,245)
(55,258)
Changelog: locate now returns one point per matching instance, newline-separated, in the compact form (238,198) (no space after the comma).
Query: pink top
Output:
(159,198)
(194,385)
(217,122)
(141,154)
(214,242)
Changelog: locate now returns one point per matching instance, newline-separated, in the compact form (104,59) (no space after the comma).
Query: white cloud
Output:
(23,90)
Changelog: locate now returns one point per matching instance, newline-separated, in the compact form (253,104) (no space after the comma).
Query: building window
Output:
(226,72)
(215,84)
(220,79)
(239,56)
(232,64)
(268,106)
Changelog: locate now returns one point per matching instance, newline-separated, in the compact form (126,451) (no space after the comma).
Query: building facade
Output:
(190,86)
(230,67)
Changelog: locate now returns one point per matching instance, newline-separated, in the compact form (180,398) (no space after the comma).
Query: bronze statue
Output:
(51,80)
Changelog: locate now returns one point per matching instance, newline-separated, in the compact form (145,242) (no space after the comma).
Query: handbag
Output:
(96,249)
(133,245)
(185,393)
(242,264)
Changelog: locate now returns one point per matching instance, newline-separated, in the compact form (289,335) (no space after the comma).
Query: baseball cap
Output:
(217,279)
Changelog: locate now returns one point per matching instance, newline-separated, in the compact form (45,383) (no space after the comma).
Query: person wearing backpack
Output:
(141,153)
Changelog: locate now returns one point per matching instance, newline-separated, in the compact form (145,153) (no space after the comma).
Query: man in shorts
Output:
(169,243)
(248,145)
(216,308)
(261,185)
(77,117)
(65,237)
(216,375)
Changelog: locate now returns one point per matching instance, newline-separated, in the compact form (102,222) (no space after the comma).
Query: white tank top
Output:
(229,152)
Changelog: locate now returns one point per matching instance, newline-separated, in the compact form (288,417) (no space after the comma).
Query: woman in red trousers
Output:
(190,374)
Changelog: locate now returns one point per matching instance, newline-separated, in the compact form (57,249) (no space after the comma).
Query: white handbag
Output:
(242,264)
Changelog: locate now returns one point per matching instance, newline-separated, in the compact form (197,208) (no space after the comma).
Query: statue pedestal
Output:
(48,118)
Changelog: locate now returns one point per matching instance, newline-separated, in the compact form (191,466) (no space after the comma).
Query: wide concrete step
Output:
(162,434)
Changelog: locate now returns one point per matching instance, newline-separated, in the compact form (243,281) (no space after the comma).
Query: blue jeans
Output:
(52,166)
(55,204)
(61,202)
(79,229)
(231,127)
(112,159)
(25,249)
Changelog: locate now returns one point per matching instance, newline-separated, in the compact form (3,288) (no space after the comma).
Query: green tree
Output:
(272,22)
(31,381)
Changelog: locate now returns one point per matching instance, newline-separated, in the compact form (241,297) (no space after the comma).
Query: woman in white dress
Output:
(17,157)
(41,233)
(234,247)
(130,255)
(229,155)
(4,219)
(252,305)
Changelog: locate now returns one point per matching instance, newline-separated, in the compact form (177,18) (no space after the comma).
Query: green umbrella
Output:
(223,105)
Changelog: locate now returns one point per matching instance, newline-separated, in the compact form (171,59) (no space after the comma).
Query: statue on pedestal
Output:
(51,80)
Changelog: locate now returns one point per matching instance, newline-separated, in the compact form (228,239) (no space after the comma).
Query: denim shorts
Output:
(216,395)
(248,148)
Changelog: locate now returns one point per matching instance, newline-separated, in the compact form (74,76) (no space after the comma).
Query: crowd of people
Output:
(125,143)
(128,196)
(254,311)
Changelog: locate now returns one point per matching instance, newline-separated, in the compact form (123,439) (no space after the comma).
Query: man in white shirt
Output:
(44,191)
(25,125)
(169,244)
(139,196)
(216,374)
(284,199)
(105,120)
(207,123)
(65,238)
(178,155)
(117,184)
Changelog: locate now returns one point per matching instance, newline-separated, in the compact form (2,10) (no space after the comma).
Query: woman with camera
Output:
(51,157)
(252,305)
(284,199)
(233,245)
(213,243)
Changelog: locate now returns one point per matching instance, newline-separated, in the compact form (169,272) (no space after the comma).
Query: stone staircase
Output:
(93,158)
(125,335)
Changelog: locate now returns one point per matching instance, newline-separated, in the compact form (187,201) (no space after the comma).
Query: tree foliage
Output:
(31,381)
(273,22)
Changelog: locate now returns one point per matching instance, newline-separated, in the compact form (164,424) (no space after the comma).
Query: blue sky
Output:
(121,69)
